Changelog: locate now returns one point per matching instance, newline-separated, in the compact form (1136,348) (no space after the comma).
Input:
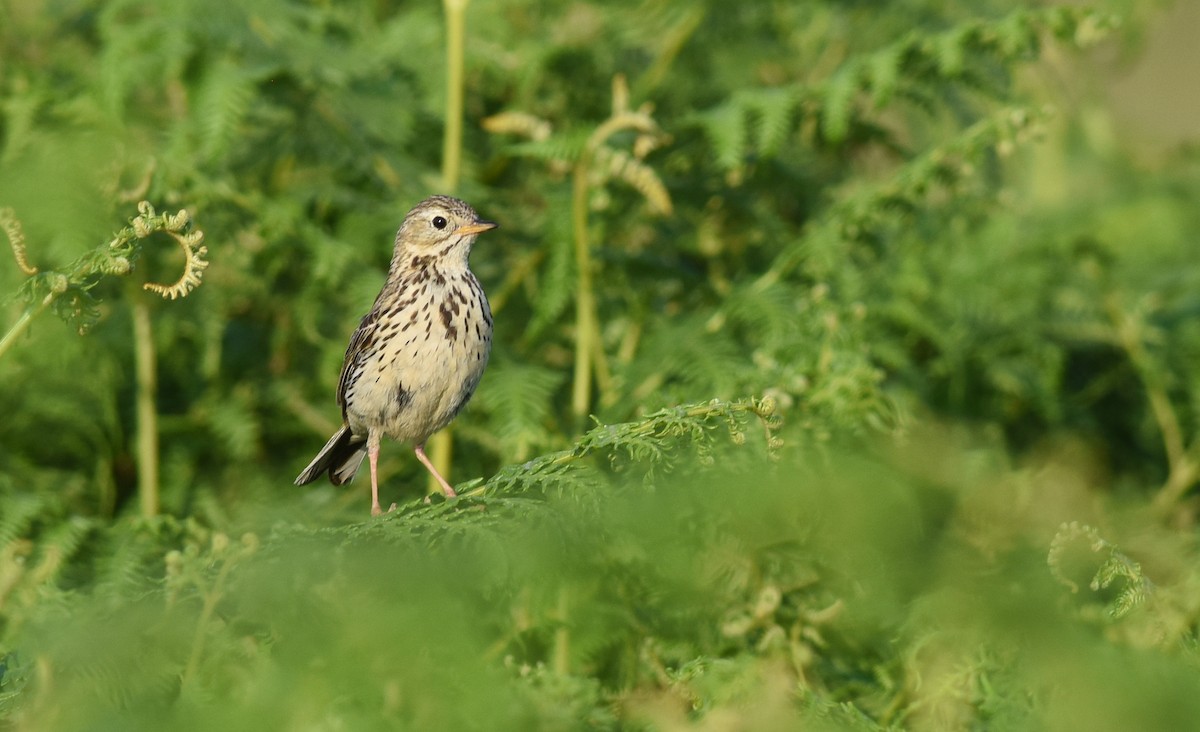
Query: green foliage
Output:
(70,291)
(611,606)
(921,68)
(1136,588)
(839,346)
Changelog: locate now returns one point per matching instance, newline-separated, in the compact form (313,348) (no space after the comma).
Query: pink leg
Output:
(373,457)
(420,450)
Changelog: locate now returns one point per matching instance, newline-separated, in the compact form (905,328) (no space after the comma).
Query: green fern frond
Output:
(554,288)
(727,132)
(949,51)
(837,100)
(517,398)
(618,164)
(770,313)
(917,67)
(235,425)
(60,546)
(649,438)
(564,147)
(775,110)
(20,513)
(1117,566)
(222,102)
(864,213)
(141,46)
(883,73)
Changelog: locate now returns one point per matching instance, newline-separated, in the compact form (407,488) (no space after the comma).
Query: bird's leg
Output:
(373,457)
(420,450)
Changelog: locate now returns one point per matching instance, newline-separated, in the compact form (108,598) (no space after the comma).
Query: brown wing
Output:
(360,343)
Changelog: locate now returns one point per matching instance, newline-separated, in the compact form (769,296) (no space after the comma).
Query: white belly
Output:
(423,366)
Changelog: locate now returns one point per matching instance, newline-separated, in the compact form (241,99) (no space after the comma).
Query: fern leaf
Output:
(220,107)
(641,177)
(518,400)
(838,102)
(774,110)
(883,73)
(950,50)
(59,546)
(1012,35)
(564,147)
(556,283)
(20,513)
(236,426)
(726,129)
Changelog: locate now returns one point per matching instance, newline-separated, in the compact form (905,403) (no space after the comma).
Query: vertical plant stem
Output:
(211,598)
(147,412)
(22,324)
(1182,469)
(441,446)
(452,141)
(585,304)
(440,449)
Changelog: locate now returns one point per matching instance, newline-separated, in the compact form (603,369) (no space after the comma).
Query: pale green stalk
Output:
(147,413)
(586,335)
(456,11)
(590,360)
(22,324)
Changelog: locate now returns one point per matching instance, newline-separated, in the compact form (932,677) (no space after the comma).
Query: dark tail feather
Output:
(340,457)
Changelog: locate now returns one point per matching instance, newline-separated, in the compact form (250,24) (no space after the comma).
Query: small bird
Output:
(417,356)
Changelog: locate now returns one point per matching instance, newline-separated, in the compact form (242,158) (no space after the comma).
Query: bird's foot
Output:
(376,510)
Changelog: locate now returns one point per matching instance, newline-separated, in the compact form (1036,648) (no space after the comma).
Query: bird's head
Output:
(441,228)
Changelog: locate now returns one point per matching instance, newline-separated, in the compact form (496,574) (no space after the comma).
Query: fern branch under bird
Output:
(645,438)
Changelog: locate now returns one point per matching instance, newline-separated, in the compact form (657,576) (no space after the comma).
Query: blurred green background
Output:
(846,370)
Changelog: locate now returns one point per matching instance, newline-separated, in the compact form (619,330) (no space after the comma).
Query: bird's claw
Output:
(377,511)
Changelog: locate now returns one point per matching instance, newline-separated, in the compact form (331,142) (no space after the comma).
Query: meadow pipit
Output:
(416,358)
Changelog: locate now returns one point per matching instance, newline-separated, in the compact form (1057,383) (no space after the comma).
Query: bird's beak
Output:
(477,228)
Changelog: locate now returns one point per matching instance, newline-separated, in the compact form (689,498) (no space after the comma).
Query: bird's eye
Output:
(439,222)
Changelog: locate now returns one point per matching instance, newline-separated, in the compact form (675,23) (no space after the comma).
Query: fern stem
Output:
(585,299)
(452,139)
(210,606)
(1183,470)
(671,45)
(147,413)
(590,361)
(22,324)
(664,424)
(440,450)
